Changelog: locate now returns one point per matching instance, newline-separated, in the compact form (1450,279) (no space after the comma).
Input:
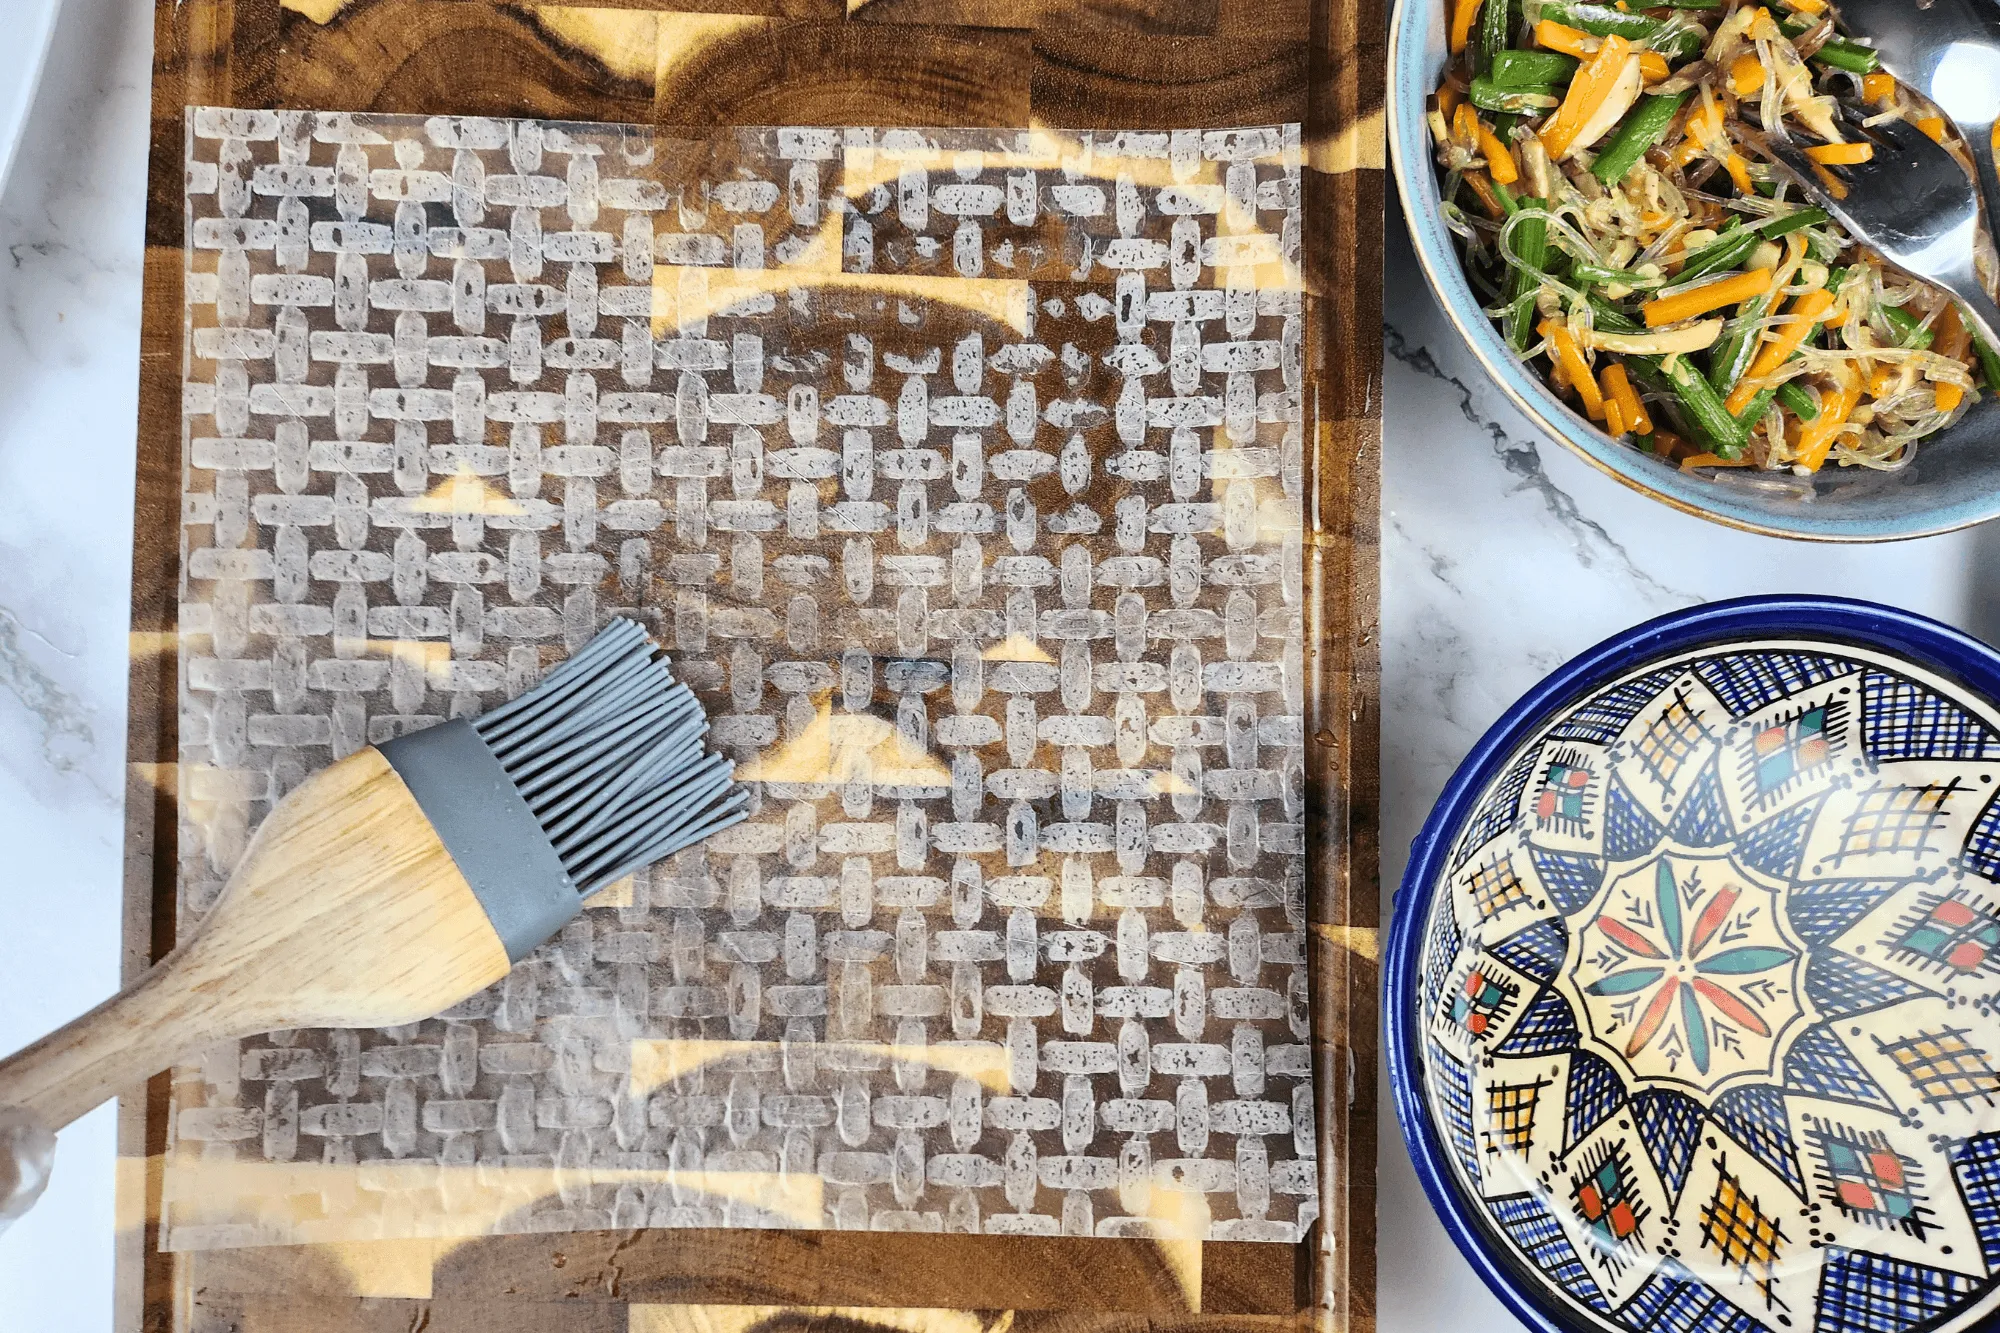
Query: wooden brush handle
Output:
(346,911)
(114,1047)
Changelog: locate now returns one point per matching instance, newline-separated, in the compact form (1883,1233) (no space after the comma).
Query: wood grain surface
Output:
(694,65)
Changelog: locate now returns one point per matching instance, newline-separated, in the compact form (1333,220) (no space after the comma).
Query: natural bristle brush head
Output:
(596,771)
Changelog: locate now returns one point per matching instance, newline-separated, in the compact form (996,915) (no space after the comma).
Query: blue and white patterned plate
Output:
(1693,981)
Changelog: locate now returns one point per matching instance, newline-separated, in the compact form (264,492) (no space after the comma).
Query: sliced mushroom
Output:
(1694,337)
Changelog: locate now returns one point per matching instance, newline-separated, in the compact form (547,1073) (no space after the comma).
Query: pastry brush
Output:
(412,874)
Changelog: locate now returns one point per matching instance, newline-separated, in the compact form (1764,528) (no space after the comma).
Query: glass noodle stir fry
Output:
(1634,247)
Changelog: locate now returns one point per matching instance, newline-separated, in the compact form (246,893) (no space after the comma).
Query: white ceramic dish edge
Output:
(21,62)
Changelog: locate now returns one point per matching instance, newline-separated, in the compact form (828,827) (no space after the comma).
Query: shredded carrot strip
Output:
(1807,6)
(1666,444)
(1740,396)
(1574,367)
(1931,125)
(1587,92)
(1561,37)
(1499,159)
(1816,440)
(1465,125)
(1832,183)
(1711,460)
(1653,67)
(1706,297)
(1877,87)
(1614,417)
(1739,172)
(1805,312)
(1618,388)
(1482,188)
(1746,74)
(1841,154)
(1882,381)
(1463,14)
(1707,126)
(1705,135)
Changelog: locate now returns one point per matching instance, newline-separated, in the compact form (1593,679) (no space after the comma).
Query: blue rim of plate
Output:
(1949,652)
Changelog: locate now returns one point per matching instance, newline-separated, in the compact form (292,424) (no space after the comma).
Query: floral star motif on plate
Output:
(1686,973)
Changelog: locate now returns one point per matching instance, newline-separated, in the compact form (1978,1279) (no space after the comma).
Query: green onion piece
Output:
(1695,406)
(1721,432)
(1597,273)
(1585,273)
(1725,252)
(1506,197)
(1610,318)
(1989,360)
(1646,443)
(1530,242)
(1503,125)
(1640,130)
(1773,228)
(1850,56)
(1909,330)
(1730,356)
(1754,410)
(1696,4)
(1531,69)
(1492,38)
(1490,96)
(1793,396)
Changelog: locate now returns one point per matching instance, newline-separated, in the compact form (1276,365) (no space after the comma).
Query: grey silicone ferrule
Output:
(492,835)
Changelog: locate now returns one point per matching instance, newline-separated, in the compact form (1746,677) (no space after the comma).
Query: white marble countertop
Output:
(1502,556)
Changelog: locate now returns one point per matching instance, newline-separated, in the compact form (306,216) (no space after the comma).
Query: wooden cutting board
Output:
(695,66)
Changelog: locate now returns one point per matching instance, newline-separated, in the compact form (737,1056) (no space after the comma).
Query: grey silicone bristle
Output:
(608,752)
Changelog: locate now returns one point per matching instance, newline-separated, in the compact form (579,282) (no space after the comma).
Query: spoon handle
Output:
(1974,302)
(1979,138)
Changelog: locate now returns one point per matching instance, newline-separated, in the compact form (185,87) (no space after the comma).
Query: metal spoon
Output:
(1912,202)
(1948,50)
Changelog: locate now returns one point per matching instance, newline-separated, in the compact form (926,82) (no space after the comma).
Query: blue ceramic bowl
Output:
(1953,481)
(1692,995)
